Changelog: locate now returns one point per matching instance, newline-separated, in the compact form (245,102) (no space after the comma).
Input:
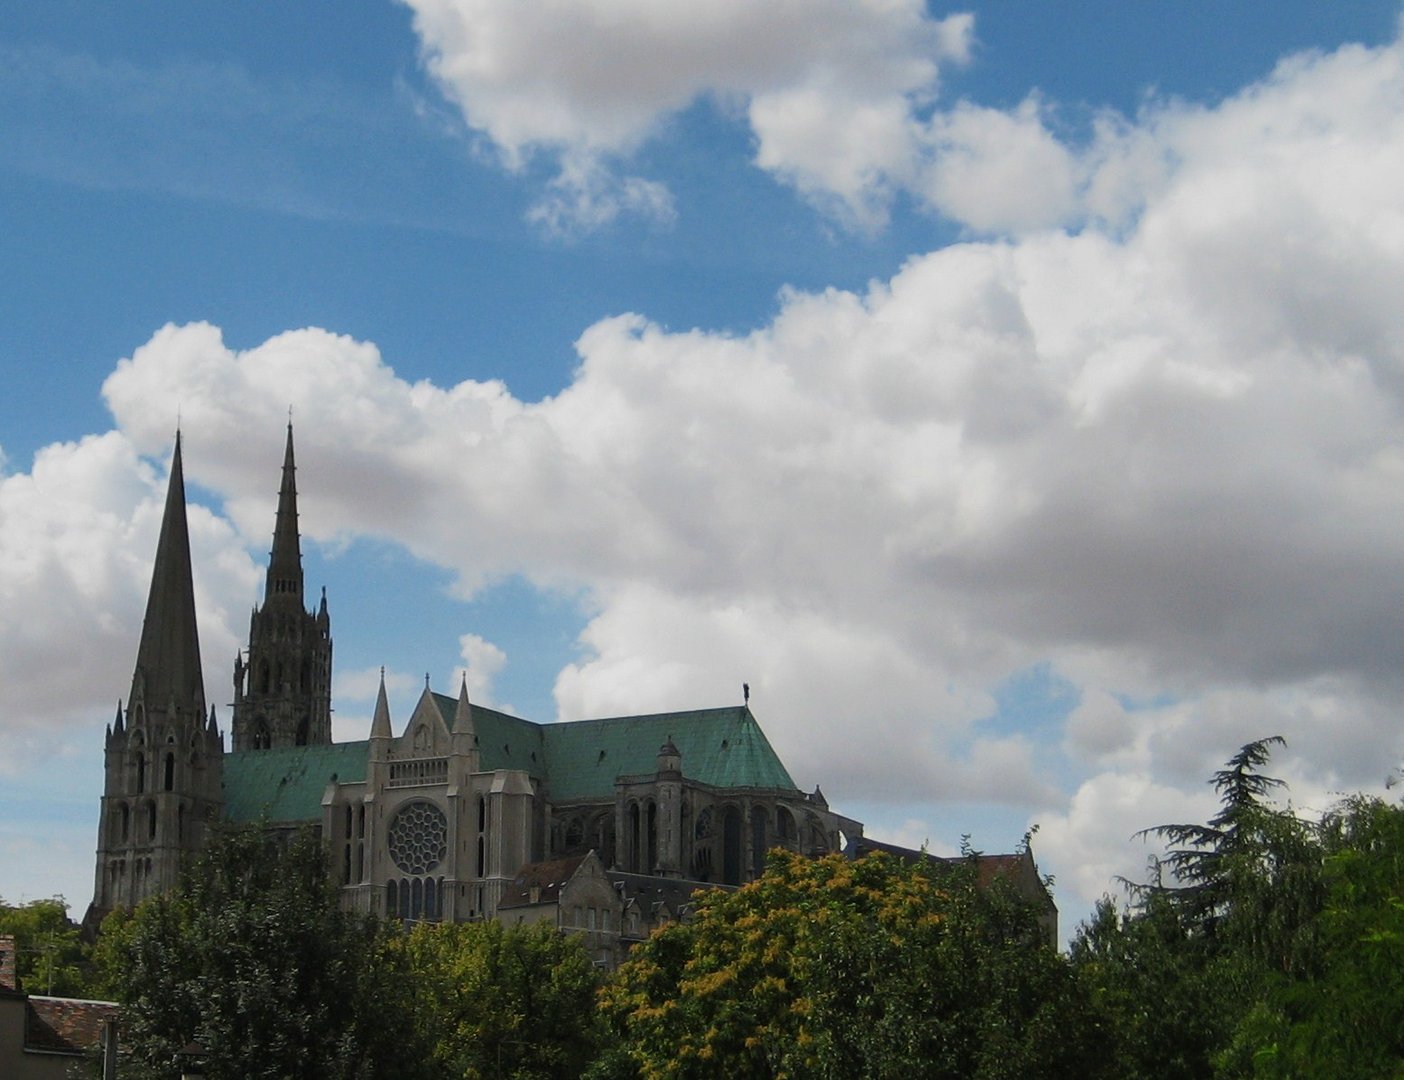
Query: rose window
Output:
(418,837)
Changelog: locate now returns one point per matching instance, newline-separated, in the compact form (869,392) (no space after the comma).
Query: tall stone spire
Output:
(282,691)
(285,560)
(168,657)
(163,761)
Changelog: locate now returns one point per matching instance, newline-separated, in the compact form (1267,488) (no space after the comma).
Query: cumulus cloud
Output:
(832,91)
(1162,457)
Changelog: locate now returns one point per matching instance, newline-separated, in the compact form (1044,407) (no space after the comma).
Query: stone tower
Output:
(164,757)
(282,690)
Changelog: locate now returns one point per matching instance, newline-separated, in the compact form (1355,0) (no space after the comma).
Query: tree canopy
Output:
(1267,944)
(838,968)
(50,958)
(494,1001)
(252,958)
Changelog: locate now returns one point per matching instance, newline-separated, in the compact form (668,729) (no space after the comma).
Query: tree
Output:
(839,968)
(1276,948)
(1347,1019)
(50,958)
(496,1001)
(252,958)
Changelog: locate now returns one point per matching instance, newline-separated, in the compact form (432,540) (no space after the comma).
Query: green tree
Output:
(50,957)
(496,1001)
(836,968)
(252,958)
(1346,1019)
(1275,949)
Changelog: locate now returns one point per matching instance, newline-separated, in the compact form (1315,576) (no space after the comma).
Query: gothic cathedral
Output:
(604,826)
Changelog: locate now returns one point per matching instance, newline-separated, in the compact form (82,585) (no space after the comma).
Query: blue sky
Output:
(1008,392)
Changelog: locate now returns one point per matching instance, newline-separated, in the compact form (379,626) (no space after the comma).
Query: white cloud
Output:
(832,90)
(482,661)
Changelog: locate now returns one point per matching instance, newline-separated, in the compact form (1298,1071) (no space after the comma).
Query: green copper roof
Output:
(287,784)
(504,742)
(721,747)
(580,760)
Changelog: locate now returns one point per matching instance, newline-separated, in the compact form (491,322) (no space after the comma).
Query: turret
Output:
(464,735)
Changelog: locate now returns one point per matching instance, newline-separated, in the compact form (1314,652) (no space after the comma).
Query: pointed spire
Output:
(463,715)
(168,658)
(214,727)
(285,560)
(380,726)
(117,724)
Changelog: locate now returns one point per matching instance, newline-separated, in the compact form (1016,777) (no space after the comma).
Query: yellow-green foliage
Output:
(835,968)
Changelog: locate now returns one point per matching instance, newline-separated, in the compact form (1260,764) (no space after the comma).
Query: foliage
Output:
(1348,1019)
(836,968)
(1276,949)
(496,1001)
(50,958)
(252,958)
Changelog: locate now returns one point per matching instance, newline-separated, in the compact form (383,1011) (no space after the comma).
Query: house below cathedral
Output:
(462,813)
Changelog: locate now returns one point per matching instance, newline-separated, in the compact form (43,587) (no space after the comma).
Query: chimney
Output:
(9,978)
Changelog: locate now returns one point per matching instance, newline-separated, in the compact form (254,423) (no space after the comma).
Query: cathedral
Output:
(459,812)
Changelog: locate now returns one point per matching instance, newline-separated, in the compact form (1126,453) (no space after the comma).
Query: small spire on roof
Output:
(746,693)
(380,722)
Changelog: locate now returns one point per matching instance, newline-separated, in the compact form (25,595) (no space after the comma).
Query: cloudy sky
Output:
(1011,395)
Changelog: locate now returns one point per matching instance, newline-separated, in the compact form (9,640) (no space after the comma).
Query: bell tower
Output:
(282,689)
(164,757)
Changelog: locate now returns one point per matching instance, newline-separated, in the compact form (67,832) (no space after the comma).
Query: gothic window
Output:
(785,828)
(634,838)
(346,865)
(758,840)
(151,820)
(263,676)
(731,846)
(361,822)
(392,897)
(574,834)
(418,837)
(703,829)
(482,857)
(180,824)
(652,852)
(302,732)
(170,772)
(347,833)
(262,740)
(141,773)
(482,814)
(126,820)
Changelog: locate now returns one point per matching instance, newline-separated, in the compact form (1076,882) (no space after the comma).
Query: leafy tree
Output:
(1347,1019)
(836,968)
(50,957)
(1276,948)
(496,1001)
(252,958)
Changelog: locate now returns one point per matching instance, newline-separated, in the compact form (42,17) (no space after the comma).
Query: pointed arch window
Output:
(141,773)
(170,772)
